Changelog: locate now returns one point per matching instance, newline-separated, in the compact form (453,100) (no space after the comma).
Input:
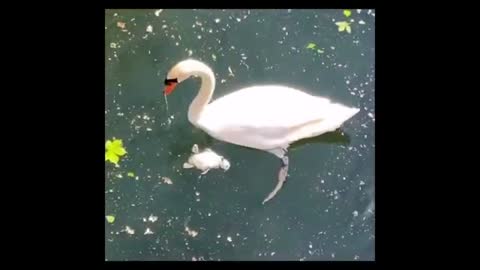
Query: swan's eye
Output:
(170,81)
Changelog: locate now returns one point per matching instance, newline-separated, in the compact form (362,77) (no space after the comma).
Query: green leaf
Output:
(311,45)
(130,174)
(349,30)
(342,26)
(112,157)
(117,147)
(347,13)
(110,219)
(108,144)
(114,150)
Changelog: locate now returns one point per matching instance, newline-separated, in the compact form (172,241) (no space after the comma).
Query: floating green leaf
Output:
(110,219)
(347,13)
(311,46)
(130,174)
(114,149)
(342,26)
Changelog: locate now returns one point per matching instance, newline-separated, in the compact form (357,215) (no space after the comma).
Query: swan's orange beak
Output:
(169,88)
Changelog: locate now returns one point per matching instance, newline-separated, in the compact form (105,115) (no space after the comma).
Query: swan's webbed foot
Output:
(282,178)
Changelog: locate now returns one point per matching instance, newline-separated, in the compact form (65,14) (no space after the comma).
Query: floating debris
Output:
(158,11)
(129,230)
(167,180)
(121,25)
(149,29)
(230,72)
(192,233)
(148,231)
(152,218)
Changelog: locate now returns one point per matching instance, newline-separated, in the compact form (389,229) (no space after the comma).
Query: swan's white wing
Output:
(270,116)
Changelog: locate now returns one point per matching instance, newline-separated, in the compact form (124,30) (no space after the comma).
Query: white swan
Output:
(268,117)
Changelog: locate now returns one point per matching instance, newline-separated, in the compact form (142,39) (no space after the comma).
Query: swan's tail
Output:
(333,118)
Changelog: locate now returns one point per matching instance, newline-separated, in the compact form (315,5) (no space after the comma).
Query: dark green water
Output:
(325,211)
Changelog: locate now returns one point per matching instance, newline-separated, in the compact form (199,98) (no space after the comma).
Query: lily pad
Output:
(311,46)
(347,13)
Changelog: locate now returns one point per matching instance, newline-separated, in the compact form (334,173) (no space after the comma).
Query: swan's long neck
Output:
(204,94)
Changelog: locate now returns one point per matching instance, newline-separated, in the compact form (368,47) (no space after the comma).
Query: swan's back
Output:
(272,115)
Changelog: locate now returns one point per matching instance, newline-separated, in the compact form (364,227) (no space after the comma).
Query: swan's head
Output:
(182,71)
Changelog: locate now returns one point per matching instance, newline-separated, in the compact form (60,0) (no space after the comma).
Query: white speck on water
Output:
(333,255)
(217,20)
(358,11)
(218,236)
(197,193)
(238,19)
(149,129)
(164,26)
(158,11)
(148,231)
(273,253)
(129,230)
(167,180)
(192,233)
(348,82)
(152,218)
(356,257)
(332,47)
(369,11)
(113,45)
(190,52)
(229,239)
(284,28)
(223,81)
(149,29)
(355,213)
(119,85)
(310,246)
(362,183)
(361,22)
(119,176)
(230,72)
(199,37)
(209,214)
(198,23)
(370,115)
